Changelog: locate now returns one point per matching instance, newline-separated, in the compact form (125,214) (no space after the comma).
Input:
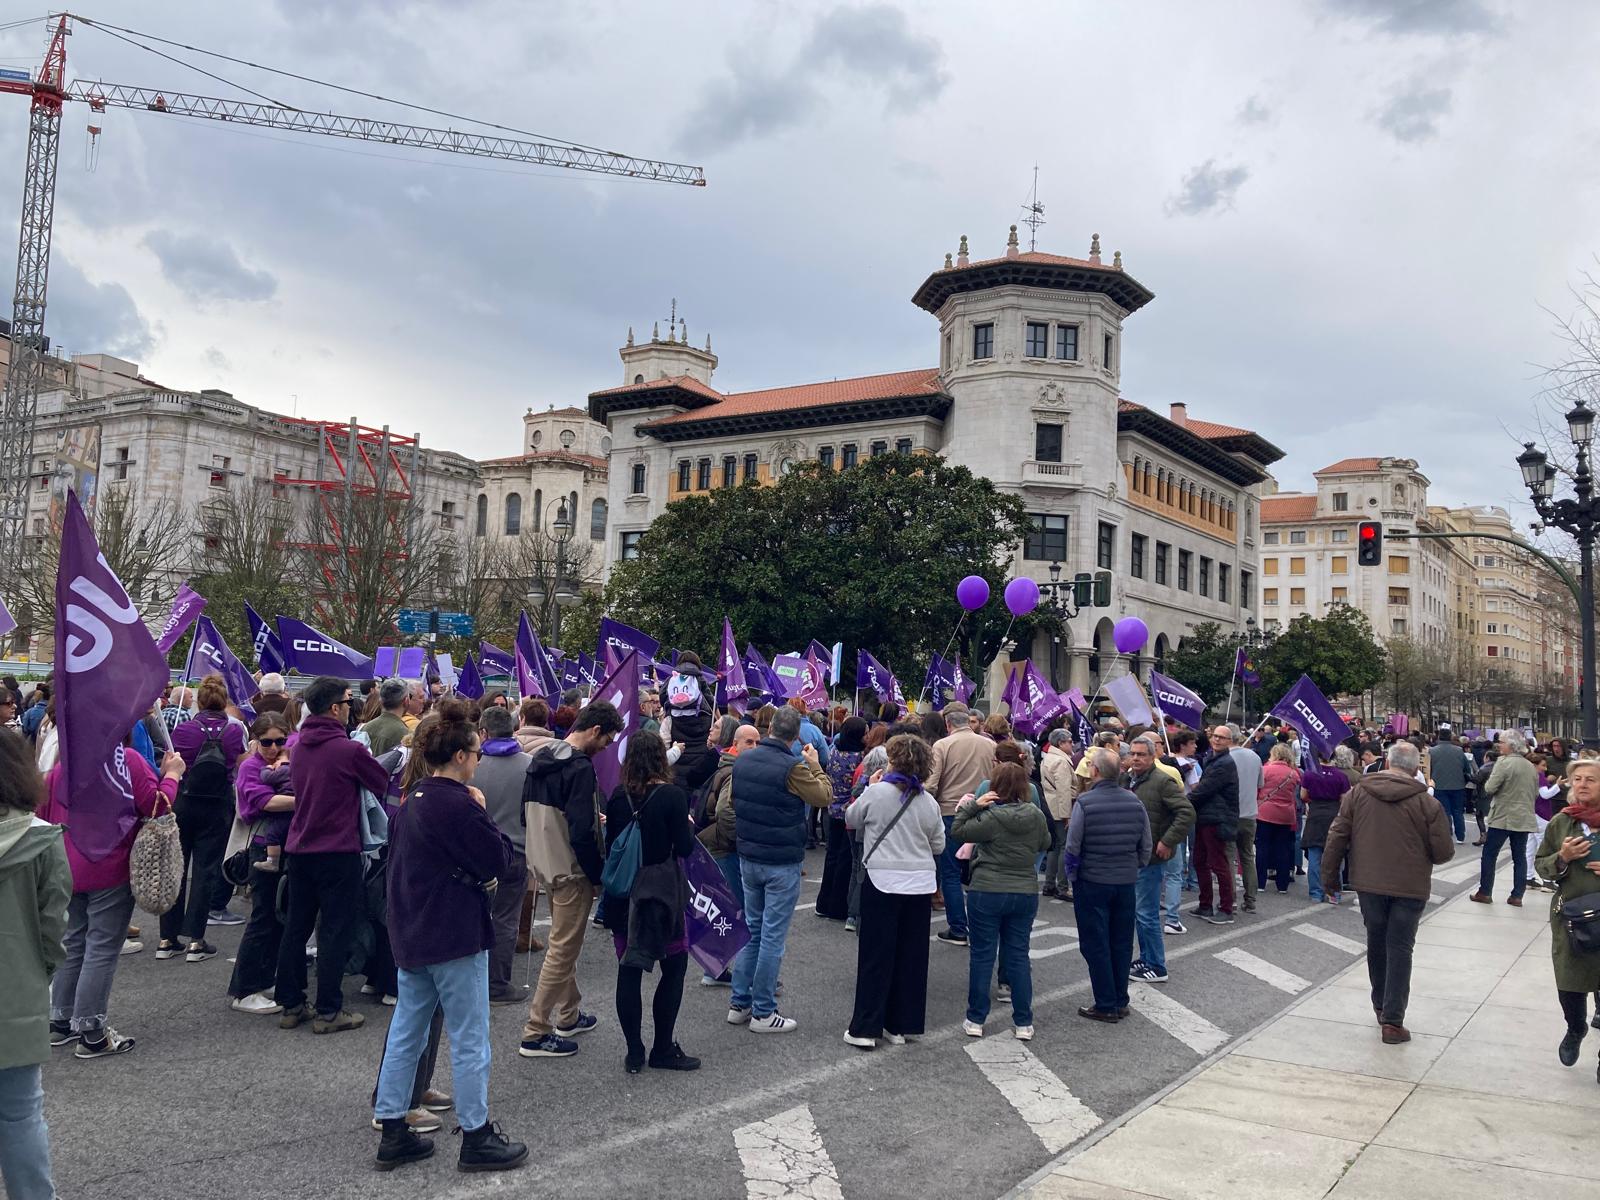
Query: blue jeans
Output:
(1455,803)
(461,988)
(1494,840)
(1314,872)
(1147,913)
(1105,939)
(955,898)
(1191,881)
(1175,869)
(24,1137)
(770,892)
(1001,922)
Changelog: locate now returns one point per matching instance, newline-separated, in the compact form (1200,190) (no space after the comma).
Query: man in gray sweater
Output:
(1109,839)
(500,775)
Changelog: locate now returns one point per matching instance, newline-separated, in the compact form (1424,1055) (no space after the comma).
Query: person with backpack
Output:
(687,700)
(211,746)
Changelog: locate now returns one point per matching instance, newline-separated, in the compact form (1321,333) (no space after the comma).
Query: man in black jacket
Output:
(1216,815)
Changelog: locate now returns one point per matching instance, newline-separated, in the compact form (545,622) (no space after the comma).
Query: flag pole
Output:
(957,633)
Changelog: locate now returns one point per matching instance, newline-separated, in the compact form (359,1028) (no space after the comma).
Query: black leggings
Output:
(663,1009)
(1575,1007)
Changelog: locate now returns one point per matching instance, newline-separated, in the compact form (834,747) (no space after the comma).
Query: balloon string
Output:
(946,655)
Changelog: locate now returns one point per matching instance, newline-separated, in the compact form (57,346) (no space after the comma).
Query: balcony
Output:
(1051,474)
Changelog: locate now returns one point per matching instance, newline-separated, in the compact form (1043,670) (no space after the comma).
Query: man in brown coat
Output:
(961,762)
(1395,834)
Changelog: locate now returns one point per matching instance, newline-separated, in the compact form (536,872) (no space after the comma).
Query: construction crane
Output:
(49,92)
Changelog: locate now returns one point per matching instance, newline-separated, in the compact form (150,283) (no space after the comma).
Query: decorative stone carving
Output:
(1053,394)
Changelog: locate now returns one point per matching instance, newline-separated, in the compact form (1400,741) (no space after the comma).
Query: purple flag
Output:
(1082,731)
(1174,700)
(312,652)
(870,673)
(939,681)
(264,641)
(495,660)
(470,683)
(715,917)
(7,621)
(733,692)
(410,662)
(210,654)
(186,608)
(965,687)
(1010,693)
(620,688)
(571,676)
(589,669)
(1245,669)
(802,678)
(108,671)
(535,676)
(617,640)
(1308,710)
(1037,703)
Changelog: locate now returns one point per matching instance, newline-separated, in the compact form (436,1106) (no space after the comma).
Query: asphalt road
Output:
(215,1103)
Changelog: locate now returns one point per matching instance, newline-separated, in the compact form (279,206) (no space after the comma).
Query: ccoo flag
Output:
(1176,701)
(210,654)
(617,640)
(108,671)
(312,652)
(494,660)
(870,673)
(1307,709)
(186,607)
(268,647)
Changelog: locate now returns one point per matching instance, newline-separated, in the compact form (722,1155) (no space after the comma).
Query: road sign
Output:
(413,620)
(423,620)
(456,624)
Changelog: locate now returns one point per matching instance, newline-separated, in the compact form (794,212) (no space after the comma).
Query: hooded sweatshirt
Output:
(562,810)
(329,771)
(35,886)
(1394,833)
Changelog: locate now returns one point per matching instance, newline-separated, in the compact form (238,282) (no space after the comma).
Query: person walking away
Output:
(267,807)
(962,760)
(389,728)
(1394,834)
(1322,790)
(688,701)
(833,897)
(1008,832)
(326,887)
(1055,778)
(1216,816)
(1570,856)
(903,831)
(36,889)
(1171,816)
(501,773)
(560,800)
(647,924)
(445,857)
(1450,769)
(772,789)
(1109,839)
(1513,786)
(1277,818)
(1244,838)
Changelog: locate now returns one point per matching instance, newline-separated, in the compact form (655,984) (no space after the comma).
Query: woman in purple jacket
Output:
(256,966)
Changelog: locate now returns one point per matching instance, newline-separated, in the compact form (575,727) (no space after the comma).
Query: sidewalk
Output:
(1314,1104)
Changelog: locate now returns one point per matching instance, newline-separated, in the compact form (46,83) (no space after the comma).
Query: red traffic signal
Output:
(1369,547)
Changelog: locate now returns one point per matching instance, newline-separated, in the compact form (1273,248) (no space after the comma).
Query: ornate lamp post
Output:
(564,588)
(1060,598)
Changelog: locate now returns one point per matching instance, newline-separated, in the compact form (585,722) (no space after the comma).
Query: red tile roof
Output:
(924,382)
(1347,466)
(1201,429)
(1291,507)
(687,382)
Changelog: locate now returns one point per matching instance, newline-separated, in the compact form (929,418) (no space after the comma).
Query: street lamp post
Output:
(1581,518)
(1061,599)
(564,590)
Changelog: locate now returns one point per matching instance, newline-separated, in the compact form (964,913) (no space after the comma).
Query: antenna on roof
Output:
(1033,213)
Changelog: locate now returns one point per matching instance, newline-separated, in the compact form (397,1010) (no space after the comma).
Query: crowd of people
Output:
(406,837)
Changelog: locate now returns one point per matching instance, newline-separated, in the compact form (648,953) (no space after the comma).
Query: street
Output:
(217,1103)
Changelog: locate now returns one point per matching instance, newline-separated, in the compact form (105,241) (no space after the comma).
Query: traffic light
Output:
(1369,543)
(1083,589)
(1102,589)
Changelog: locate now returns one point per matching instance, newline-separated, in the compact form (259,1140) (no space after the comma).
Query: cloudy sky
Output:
(1357,215)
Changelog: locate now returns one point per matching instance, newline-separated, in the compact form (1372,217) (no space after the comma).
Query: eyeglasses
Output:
(475,752)
(273,741)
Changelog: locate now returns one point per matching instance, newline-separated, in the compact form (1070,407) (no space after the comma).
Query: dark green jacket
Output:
(1574,972)
(1171,814)
(1009,839)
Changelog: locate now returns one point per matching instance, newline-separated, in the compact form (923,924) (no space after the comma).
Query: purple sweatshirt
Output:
(253,789)
(329,771)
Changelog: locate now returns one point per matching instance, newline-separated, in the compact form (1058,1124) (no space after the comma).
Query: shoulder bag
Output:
(155,861)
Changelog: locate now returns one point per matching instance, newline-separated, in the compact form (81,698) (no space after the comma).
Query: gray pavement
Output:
(216,1103)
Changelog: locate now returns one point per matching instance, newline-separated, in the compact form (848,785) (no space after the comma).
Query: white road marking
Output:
(1284,981)
(1054,1114)
(798,907)
(1188,1026)
(784,1159)
(1053,950)
(1057,931)
(1329,938)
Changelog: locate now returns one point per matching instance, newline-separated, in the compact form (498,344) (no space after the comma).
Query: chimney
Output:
(1180,413)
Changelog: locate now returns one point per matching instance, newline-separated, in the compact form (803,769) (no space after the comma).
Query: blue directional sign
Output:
(413,620)
(423,620)
(454,624)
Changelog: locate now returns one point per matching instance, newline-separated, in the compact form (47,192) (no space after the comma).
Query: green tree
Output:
(870,556)
(1204,661)
(1338,651)
(243,553)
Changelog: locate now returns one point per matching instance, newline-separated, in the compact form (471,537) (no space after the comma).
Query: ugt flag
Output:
(621,689)
(870,673)
(1245,669)
(186,606)
(312,652)
(1082,731)
(264,640)
(108,671)
(1307,709)
(733,692)
(469,682)
(1176,701)
(210,654)
(1037,703)
(617,640)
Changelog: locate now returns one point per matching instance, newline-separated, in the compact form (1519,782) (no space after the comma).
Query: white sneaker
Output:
(895,1039)
(368,990)
(260,1003)
(1023,1033)
(131,946)
(776,1023)
(738,1016)
(972,1029)
(391,1001)
(864,1043)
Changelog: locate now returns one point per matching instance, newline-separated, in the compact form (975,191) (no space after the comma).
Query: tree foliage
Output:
(243,553)
(1204,662)
(1338,651)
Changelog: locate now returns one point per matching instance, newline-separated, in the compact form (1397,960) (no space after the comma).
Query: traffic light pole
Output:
(1573,585)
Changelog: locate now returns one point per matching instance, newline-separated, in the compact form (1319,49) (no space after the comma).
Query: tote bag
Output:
(155,862)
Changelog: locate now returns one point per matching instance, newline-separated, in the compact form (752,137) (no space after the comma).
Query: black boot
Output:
(400,1145)
(487,1149)
(1568,1050)
(673,1059)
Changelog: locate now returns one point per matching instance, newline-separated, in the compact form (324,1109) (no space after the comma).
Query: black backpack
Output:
(209,778)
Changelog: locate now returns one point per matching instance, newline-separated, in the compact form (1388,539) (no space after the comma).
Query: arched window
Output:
(638,378)
(482,526)
(538,508)
(513,514)
(597,520)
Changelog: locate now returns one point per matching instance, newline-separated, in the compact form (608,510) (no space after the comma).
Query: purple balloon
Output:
(1022,596)
(1129,635)
(972,593)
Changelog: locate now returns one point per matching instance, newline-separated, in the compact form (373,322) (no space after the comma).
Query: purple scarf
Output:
(910,786)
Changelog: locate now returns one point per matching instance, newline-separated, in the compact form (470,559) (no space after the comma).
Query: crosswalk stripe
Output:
(1057,931)
(1188,1026)
(1052,951)
(1054,1114)
(1329,938)
(1284,981)
(784,1159)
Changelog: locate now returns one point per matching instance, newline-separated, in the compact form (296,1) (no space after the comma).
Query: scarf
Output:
(1589,816)
(910,786)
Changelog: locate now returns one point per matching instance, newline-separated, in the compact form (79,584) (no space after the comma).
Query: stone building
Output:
(563,462)
(1026,392)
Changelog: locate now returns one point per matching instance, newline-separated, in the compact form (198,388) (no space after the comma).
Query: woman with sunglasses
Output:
(256,967)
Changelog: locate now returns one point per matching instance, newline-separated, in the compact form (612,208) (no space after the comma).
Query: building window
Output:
(983,340)
(1297,537)
(119,464)
(1136,555)
(1399,595)
(1038,340)
(636,488)
(847,454)
(1047,442)
(513,514)
(683,474)
(1067,342)
(1163,552)
(825,457)
(878,449)
(1341,502)
(1269,566)
(1269,597)
(1047,541)
(1222,581)
(630,543)
(750,463)
(481,523)
(220,464)
(1185,558)
(1105,553)
(1339,535)
(1246,580)
(1297,566)
(1398,626)
(447,513)
(946,362)
(1341,564)
(1491,627)
(1205,576)
(1399,564)
(902,446)
(597,521)
(1341,595)
(1270,538)
(730,470)
(1297,596)
(1108,347)
(702,475)
(1494,651)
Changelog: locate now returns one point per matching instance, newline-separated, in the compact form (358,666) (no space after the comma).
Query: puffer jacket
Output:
(35,887)
(1009,838)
